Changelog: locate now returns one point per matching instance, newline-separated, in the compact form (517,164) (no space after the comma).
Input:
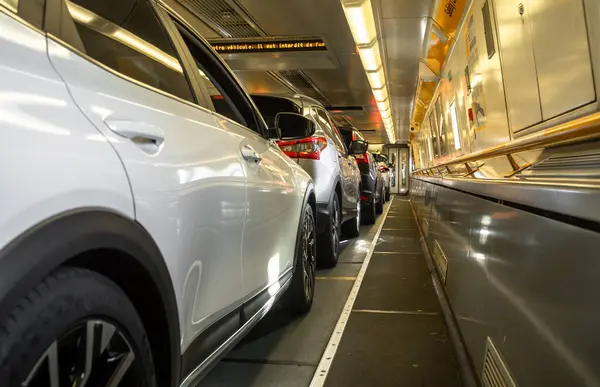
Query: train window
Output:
(487,27)
(434,134)
(442,128)
(455,130)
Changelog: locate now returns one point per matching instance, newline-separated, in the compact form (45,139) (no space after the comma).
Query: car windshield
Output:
(270,106)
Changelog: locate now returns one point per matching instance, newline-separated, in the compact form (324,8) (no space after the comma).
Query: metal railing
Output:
(579,130)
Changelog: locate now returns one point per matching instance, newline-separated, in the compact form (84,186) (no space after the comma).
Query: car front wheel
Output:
(75,328)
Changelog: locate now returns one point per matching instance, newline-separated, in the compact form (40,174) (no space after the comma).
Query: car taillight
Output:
(361,159)
(306,148)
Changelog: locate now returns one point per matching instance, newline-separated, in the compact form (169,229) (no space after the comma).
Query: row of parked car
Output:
(153,212)
(351,186)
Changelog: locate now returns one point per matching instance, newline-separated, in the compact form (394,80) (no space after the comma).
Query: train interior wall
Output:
(524,281)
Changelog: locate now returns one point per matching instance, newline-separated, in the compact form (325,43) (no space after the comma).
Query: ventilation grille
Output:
(495,373)
(227,20)
(302,84)
(572,164)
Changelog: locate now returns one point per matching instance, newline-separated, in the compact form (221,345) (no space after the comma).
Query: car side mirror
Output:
(358,147)
(293,126)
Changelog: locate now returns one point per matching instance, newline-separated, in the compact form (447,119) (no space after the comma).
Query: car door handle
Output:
(140,133)
(250,155)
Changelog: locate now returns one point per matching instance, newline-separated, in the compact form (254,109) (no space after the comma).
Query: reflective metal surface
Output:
(44,135)
(526,281)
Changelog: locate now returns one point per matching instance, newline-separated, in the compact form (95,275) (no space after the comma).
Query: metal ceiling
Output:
(402,25)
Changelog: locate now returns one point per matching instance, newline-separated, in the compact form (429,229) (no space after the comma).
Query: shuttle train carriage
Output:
(505,185)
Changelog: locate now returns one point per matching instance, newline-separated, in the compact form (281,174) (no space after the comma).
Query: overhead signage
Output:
(270,46)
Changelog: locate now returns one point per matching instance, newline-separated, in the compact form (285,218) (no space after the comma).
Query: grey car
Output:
(330,163)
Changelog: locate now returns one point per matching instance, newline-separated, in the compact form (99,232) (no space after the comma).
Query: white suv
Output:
(144,231)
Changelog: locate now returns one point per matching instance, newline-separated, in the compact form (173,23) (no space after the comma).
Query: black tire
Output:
(368,212)
(351,228)
(57,314)
(379,205)
(387,195)
(328,243)
(298,298)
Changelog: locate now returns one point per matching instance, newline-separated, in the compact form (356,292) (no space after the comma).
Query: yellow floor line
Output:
(395,253)
(410,312)
(337,278)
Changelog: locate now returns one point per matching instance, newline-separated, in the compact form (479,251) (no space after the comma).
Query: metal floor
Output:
(395,334)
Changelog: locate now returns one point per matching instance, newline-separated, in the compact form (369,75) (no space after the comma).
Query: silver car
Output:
(386,173)
(144,228)
(335,172)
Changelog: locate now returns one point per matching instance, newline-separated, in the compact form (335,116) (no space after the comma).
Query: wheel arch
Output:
(109,244)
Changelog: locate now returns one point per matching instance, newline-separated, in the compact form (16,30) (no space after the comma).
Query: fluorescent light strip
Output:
(380,94)
(370,57)
(361,21)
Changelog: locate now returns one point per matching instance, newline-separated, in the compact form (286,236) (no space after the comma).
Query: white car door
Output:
(274,200)
(185,168)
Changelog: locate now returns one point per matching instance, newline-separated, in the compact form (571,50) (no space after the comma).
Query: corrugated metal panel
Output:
(224,18)
(303,84)
(584,163)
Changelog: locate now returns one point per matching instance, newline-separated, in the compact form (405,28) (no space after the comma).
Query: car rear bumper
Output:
(368,189)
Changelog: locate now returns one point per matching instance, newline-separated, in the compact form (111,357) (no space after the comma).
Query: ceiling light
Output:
(380,94)
(361,21)
(370,56)
(384,105)
(376,78)
(385,114)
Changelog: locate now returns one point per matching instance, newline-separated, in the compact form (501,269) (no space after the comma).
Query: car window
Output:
(347,136)
(269,107)
(227,96)
(331,130)
(338,136)
(30,10)
(127,36)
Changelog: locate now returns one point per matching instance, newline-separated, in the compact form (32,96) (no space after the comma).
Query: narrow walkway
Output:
(395,335)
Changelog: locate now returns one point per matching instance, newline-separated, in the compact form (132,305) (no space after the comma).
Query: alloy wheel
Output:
(309,256)
(91,353)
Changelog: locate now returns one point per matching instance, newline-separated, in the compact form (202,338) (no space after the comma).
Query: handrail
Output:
(581,129)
